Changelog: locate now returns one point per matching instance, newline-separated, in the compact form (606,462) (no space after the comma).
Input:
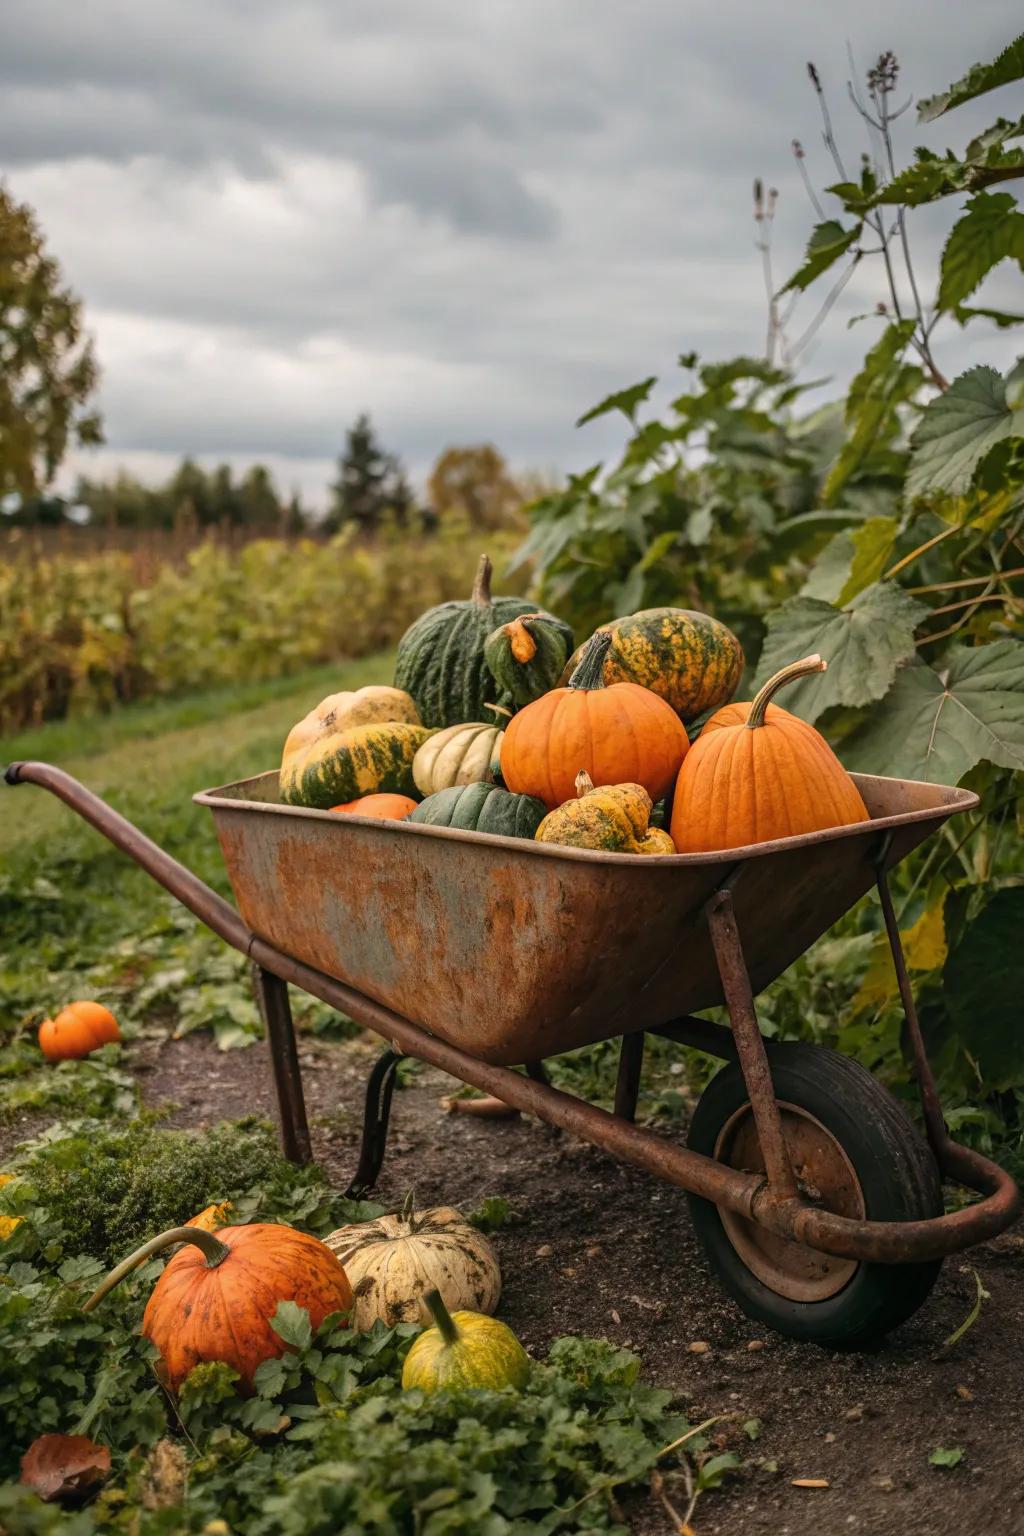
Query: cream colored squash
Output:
(373,705)
(462,754)
(394,1261)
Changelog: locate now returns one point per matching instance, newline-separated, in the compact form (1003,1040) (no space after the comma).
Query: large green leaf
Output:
(883,384)
(827,243)
(851,561)
(957,429)
(978,79)
(989,158)
(983,984)
(625,400)
(937,725)
(863,645)
(990,231)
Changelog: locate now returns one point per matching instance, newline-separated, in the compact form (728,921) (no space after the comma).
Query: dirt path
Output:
(606,1251)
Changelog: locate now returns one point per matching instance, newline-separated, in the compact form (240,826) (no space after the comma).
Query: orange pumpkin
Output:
(216,1298)
(756,773)
(382,807)
(617,734)
(77,1029)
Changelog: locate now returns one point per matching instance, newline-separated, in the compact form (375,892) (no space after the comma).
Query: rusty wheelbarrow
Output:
(817,1202)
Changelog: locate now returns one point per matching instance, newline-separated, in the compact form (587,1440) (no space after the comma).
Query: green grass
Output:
(78,918)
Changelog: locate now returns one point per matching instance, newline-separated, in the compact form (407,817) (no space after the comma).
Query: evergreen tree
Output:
(370,482)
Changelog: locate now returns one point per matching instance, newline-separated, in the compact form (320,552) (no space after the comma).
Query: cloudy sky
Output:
(471,219)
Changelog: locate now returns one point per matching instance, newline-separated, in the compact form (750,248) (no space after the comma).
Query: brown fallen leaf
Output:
(965,1394)
(488,1108)
(64,1468)
(810,1482)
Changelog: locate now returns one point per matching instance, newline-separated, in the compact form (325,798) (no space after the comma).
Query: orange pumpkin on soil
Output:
(217,1296)
(383,807)
(77,1029)
(617,734)
(756,773)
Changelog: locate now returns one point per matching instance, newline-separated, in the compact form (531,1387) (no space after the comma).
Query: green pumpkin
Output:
(692,661)
(441,655)
(526,656)
(345,765)
(482,808)
(464,1350)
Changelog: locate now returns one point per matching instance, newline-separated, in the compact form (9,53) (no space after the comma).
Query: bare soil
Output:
(602,1250)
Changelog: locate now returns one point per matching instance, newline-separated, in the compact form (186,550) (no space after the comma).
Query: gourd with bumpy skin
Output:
(482,808)
(462,754)
(692,661)
(621,734)
(340,711)
(440,658)
(217,1296)
(614,818)
(756,773)
(465,1350)
(394,1261)
(380,807)
(526,656)
(77,1030)
(363,760)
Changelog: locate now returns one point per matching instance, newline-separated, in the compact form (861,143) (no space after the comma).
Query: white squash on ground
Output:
(394,1261)
(461,754)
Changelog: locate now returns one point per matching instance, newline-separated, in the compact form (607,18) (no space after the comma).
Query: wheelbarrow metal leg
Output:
(753,1058)
(275,1010)
(627,1084)
(377,1113)
(931,1106)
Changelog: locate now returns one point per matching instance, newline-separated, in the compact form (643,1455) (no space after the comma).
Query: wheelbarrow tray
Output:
(513,950)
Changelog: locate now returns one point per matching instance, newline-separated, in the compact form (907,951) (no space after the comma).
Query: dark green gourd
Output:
(482,808)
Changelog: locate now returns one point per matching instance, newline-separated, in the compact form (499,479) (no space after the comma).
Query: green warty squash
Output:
(526,656)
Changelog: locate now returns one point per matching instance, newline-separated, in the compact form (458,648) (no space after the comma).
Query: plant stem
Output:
(966,581)
(442,1317)
(790,674)
(921,549)
(589,673)
(214,1251)
(481,594)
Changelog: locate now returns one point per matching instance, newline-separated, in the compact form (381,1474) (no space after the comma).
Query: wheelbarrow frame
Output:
(772,1199)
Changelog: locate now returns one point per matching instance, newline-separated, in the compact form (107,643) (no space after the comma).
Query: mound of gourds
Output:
(495,725)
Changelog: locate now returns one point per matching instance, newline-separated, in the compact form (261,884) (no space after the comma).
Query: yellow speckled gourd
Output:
(465,1349)
(345,765)
(393,1262)
(693,661)
(340,711)
(613,818)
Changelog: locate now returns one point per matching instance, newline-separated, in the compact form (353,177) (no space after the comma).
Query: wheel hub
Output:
(825,1177)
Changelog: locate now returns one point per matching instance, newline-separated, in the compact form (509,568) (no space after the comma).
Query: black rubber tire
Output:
(899,1181)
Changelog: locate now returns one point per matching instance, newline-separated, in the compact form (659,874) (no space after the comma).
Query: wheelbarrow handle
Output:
(192,892)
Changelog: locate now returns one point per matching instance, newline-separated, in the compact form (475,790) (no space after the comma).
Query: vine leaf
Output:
(982,983)
(827,243)
(990,231)
(937,725)
(852,560)
(979,78)
(872,420)
(625,400)
(956,430)
(862,643)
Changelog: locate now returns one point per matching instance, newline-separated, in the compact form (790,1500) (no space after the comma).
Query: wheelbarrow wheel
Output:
(856,1152)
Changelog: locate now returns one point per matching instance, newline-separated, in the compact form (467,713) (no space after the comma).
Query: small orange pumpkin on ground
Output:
(382,807)
(217,1296)
(620,734)
(756,773)
(76,1030)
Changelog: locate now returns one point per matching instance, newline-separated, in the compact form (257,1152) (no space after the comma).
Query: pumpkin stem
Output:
(584,784)
(442,1317)
(589,672)
(523,645)
(499,709)
(214,1250)
(791,674)
(481,594)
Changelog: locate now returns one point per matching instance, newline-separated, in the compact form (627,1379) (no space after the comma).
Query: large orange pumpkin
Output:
(621,734)
(216,1298)
(756,773)
(77,1029)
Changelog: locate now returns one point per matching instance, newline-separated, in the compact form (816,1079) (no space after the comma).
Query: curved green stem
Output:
(790,674)
(589,672)
(214,1251)
(481,594)
(442,1317)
